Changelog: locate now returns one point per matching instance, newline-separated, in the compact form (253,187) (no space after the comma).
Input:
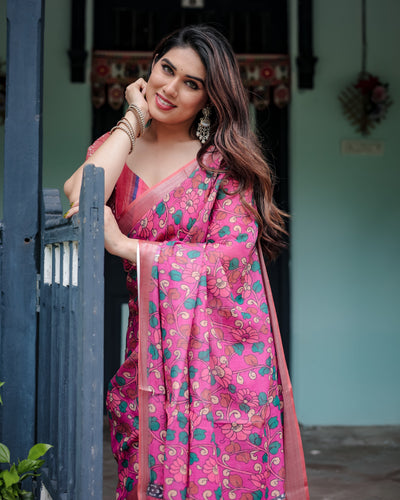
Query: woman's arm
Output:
(115,242)
(111,155)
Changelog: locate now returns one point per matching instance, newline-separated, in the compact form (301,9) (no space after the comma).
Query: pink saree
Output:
(197,408)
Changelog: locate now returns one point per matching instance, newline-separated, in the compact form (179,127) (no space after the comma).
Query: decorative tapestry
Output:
(265,76)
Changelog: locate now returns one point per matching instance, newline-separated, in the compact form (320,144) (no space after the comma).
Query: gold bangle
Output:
(128,125)
(139,116)
(120,126)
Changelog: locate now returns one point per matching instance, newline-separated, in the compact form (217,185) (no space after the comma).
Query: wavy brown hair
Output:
(231,133)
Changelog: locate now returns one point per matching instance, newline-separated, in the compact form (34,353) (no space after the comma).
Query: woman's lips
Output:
(163,103)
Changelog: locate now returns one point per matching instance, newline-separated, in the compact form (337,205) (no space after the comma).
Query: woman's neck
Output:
(167,134)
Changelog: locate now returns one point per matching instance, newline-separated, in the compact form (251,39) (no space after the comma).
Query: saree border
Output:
(146,254)
(296,483)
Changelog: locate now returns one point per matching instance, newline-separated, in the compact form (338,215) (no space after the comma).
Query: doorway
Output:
(256,27)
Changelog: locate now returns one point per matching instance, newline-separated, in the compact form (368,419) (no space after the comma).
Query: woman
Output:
(196,409)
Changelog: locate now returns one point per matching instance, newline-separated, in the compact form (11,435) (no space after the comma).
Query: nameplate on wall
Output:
(358,147)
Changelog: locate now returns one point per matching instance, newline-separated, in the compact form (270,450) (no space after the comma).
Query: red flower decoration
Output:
(366,85)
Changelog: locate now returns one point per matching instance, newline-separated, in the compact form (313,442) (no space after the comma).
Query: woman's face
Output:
(175,91)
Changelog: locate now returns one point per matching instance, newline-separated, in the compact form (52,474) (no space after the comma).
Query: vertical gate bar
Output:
(44,377)
(61,410)
(72,387)
(22,160)
(52,459)
(90,364)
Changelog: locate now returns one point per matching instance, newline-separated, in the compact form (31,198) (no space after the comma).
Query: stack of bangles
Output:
(125,125)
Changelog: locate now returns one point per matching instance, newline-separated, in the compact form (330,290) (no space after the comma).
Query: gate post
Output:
(22,181)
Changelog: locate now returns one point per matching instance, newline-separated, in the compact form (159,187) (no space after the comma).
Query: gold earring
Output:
(203,128)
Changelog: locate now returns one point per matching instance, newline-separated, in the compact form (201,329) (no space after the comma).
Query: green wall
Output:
(345,271)
(66,105)
(345,267)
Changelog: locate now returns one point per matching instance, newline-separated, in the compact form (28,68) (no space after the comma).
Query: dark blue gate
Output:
(70,343)
(51,289)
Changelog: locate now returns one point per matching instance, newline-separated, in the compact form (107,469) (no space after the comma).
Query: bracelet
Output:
(124,121)
(127,128)
(139,116)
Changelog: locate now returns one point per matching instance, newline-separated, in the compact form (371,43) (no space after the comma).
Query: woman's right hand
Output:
(135,93)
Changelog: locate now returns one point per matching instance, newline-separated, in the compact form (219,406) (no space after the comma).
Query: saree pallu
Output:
(197,408)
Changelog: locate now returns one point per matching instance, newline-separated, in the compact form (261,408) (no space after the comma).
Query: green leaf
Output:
(9,495)
(238,348)
(178,216)
(273,423)
(224,231)
(154,424)
(38,451)
(28,465)
(170,436)
(26,495)
(274,447)
(262,398)
(4,454)
(199,434)
(234,264)
(1,384)
(11,477)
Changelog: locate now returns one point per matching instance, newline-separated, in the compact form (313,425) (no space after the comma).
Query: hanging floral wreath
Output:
(365,102)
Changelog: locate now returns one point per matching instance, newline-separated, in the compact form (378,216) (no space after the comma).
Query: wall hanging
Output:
(366,101)
(266,77)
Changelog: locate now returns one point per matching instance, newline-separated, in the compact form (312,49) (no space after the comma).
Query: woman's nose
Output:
(171,88)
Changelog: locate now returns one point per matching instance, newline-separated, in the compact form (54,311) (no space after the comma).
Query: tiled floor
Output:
(343,463)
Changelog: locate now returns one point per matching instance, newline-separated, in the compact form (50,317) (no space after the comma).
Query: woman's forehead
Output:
(185,59)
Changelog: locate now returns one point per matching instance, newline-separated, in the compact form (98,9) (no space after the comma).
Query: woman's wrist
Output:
(126,248)
(139,117)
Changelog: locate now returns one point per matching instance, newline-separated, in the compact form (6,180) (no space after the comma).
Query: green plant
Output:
(11,478)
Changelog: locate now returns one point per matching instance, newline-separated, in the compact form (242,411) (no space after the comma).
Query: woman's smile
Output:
(163,103)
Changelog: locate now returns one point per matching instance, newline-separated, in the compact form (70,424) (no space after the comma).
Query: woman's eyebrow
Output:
(188,76)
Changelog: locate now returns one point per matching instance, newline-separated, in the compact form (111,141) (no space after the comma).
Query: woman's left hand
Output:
(115,242)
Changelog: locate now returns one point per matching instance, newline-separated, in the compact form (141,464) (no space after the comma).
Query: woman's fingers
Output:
(72,211)
(135,93)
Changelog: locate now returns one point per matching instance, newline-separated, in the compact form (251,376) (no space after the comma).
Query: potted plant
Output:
(12,476)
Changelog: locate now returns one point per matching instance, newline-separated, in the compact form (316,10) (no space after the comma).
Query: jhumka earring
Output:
(203,128)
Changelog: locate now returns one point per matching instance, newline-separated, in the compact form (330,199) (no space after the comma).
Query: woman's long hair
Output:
(230,132)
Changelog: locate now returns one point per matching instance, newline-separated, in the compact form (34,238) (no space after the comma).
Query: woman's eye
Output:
(192,84)
(167,68)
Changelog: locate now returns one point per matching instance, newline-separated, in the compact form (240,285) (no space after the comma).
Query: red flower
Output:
(366,85)
(249,335)
(192,274)
(220,371)
(179,470)
(261,481)
(248,397)
(235,431)
(218,285)
(379,94)
(189,203)
(210,468)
